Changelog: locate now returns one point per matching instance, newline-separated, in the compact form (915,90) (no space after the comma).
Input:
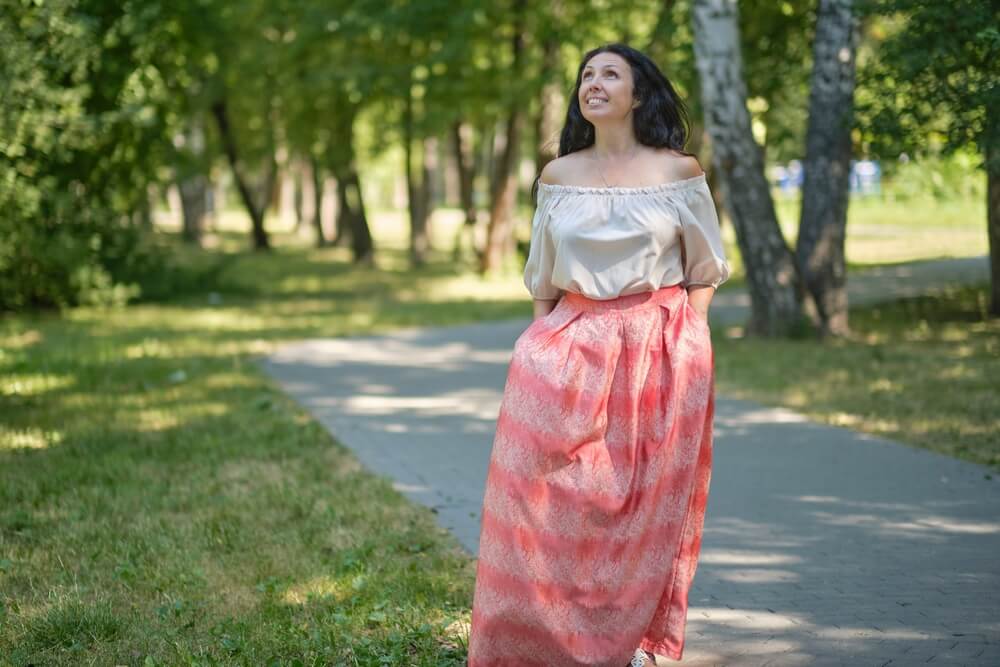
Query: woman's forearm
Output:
(700,297)
(543,307)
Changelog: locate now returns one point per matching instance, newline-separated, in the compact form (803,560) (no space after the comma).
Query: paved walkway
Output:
(821,546)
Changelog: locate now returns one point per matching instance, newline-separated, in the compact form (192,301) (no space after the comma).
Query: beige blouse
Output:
(605,242)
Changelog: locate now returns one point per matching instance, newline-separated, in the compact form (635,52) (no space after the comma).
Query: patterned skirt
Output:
(597,485)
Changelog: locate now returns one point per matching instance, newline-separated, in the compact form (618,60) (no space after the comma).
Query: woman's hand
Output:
(700,296)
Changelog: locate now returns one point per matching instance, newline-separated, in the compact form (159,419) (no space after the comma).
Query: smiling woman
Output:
(598,478)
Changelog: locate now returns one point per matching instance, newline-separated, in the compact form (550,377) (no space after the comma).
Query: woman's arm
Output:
(700,297)
(543,307)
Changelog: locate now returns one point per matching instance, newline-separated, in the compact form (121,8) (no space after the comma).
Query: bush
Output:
(62,263)
(78,150)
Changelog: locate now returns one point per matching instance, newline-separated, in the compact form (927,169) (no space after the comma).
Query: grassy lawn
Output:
(885,232)
(162,503)
(925,371)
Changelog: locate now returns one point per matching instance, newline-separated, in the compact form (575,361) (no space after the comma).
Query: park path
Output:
(822,546)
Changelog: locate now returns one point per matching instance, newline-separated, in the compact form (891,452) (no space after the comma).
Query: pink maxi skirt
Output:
(597,485)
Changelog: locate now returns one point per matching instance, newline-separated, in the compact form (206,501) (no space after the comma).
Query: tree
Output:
(935,78)
(330,54)
(823,223)
(770,267)
(84,128)
(504,186)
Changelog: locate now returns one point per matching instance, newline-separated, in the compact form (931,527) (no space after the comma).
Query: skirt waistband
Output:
(650,299)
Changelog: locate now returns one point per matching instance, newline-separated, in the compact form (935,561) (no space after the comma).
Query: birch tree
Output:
(823,223)
(776,306)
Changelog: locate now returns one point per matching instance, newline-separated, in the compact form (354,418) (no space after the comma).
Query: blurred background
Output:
(135,132)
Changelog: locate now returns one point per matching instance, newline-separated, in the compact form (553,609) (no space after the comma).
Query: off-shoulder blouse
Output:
(605,242)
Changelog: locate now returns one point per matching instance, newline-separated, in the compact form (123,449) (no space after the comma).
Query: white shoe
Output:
(640,659)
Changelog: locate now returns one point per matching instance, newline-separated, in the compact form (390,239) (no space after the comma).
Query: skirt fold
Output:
(597,485)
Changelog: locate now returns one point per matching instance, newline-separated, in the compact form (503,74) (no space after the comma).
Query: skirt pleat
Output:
(597,485)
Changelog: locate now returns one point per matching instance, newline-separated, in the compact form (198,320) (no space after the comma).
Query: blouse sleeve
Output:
(541,252)
(704,256)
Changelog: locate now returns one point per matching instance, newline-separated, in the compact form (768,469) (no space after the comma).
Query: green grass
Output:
(888,232)
(925,371)
(161,502)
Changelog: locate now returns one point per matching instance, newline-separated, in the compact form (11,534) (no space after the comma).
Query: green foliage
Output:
(79,137)
(106,103)
(944,178)
(776,42)
(776,46)
(933,82)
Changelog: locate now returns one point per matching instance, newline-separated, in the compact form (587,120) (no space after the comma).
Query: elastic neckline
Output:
(680,184)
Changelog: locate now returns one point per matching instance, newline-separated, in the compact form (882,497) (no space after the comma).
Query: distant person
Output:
(599,474)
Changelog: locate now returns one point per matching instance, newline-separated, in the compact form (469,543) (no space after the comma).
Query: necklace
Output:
(627,161)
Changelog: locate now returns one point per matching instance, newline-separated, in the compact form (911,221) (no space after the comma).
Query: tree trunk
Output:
(351,218)
(823,224)
(776,306)
(362,245)
(194,192)
(298,194)
(484,154)
(993,223)
(316,174)
(461,138)
(342,235)
(499,235)
(420,240)
(256,212)
(461,145)
(415,187)
(192,183)
(142,212)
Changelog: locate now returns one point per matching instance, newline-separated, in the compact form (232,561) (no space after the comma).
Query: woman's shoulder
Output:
(562,170)
(667,173)
(672,165)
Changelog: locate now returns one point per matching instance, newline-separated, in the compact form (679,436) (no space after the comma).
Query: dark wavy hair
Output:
(661,120)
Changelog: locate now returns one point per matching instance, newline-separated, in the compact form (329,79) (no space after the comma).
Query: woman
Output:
(598,478)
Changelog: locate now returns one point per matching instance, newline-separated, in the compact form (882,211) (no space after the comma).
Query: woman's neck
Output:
(616,142)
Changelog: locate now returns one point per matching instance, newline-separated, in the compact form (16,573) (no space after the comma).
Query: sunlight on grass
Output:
(320,587)
(165,419)
(34,384)
(19,339)
(28,438)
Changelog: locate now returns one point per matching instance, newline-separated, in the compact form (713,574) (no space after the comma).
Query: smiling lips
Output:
(594,101)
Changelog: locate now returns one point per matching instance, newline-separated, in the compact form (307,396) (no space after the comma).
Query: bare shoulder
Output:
(561,170)
(677,166)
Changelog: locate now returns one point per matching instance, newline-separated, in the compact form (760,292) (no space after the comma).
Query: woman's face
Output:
(606,88)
